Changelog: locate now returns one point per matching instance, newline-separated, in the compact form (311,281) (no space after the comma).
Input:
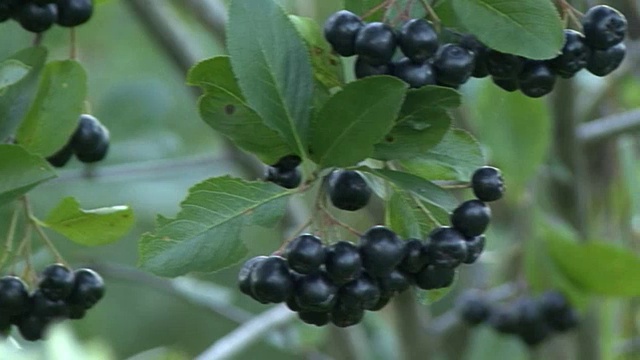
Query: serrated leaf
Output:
(21,172)
(205,235)
(327,66)
(54,113)
(408,216)
(423,121)
(12,71)
(345,129)
(424,189)
(273,68)
(90,227)
(15,100)
(224,109)
(529,28)
(456,157)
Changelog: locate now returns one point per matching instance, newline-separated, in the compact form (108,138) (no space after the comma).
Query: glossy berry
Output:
(344,316)
(76,312)
(74,12)
(446,247)
(305,253)
(314,317)
(56,282)
(603,27)
(487,184)
(288,162)
(574,55)
(363,69)
(348,190)
(395,281)
(343,262)
(5,326)
(90,141)
(414,74)
(36,18)
(509,85)
(341,30)
(381,250)
(14,297)
(361,293)
(471,218)
(532,326)
(473,307)
(287,179)
(32,327)
(453,65)
(244,275)
(564,322)
(475,247)
(604,62)
(376,43)
(431,277)
(270,280)
(7,9)
(479,51)
(46,308)
(536,79)
(416,256)
(504,320)
(503,66)
(316,292)
(418,40)
(557,311)
(88,288)
(61,157)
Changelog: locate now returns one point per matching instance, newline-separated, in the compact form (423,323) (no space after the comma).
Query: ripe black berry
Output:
(446,247)
(74,12)
(603,27)
(475,247)
(473,307)
(46,308)
(509,84)
(453,65)
(32,327)
(348,190)
(270,280)
(36,18)
(532,326)
(341,30)
(288,162)
(14,297)
(244,275)
(414,74)
(574,56)
(471,218)
(376,43)
(416,256)
(56,282)
(603,62)
(90,141)
(88,288)
(287,179)
(565,321)
(314,317)
(487,184)
(431,277)
(381,250)
(479,51)
(344,316)
(418,40)
(382,302)
(557,311)
(343,262)
(316,292)
(305,254)
(76,312)
(503,66)
(363,69)
(536,79)
(504,320)
(5,326)
(7,9)
(361,293)
(393,282)
(61,157)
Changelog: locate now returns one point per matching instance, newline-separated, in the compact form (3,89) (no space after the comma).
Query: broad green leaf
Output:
(363,7)
(54,113)
(408,216)
(424,189)
(423,121)
(15,100)
(224,109)
(205,235)
(529,28)
(272,65)
(456,157)
(327,67)
(12,71)
(517,130)
(21,172)
(345,129)
(90,227)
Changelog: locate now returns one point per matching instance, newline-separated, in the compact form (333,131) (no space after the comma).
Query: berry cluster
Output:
(424,61)
(39,15)
(90,143)
(285,172)
(61,294)
(531,319)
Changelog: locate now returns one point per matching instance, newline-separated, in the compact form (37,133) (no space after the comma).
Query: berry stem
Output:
(332,219)
(384,4)
(297,231)
(8,245)
(73,51)
(432,14)
(37,40)
(36,225)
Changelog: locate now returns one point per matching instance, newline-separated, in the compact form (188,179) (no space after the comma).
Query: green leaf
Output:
(54,113)
(345,129)
(15,100)
(21,172)
(362,7)
(327,66)
(424,189)
(205,235)
(273,68)
(517,130)
(12,71)
(456,157)
(90,227)
(408,216)
(224,109)
(423,121)
(529,28)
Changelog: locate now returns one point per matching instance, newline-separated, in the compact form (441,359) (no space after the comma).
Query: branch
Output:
(248,333)
(210,13)
(608,127)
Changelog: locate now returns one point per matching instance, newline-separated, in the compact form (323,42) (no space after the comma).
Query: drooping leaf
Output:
(456,157)
(205,235)
(345,129)
(272,65)
(408,216)
(90,227)
(224,109)
(529,28)
(20,172)
(12,71)
(56,108)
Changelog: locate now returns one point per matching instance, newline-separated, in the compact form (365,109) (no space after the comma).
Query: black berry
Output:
(603,27)
(74,12)
(416,256)
(36,18)
(363,69)
(32,327)
(270,280)
(314,317)
(287,179)
(414,74)
(475,247)
(90,141)
(382,302)
(305,254)
(473,307)
(348,190)
(361,293)
(504,320)
(61,157)
(343,262)
(446,247)
(574,56)
(288,162)
(88,288)
(381,250)
(316,292)
(431,277)
(46,308)
(8,8)
(244,275)
(453,65)
(487,184)
(394,282)
(532,326)
(14,297)
(536,79)
(344,316)
(479,51)
(376,43)
(341,30)
(603,62)
(509,84)
(503,66)
(471,218)
(56,282)
(418,40)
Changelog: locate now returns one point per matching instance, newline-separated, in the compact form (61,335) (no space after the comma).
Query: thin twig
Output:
(34,223)
(432,14)
(373,10)
(608,127)
(210,13)
(8,245)
(73,49)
